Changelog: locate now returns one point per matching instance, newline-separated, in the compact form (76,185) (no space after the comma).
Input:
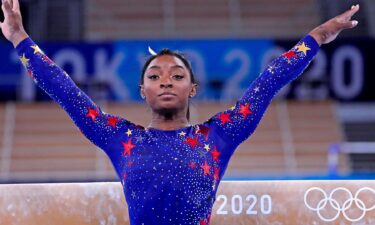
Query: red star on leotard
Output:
(192,165)
(206,168)
(193,142)
(245,110)
(216,173)
(224,118)
(112,121)
(130,163)
(290,55)
(203,222)
(45,58)
(128,146)
(93,113)
(202,130)
(215,154)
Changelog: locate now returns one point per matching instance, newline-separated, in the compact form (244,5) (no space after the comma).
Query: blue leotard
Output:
(168,177)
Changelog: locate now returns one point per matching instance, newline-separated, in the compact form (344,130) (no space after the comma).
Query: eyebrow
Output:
(174,66)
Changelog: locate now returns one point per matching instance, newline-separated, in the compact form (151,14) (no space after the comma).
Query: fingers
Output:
(348,14)
(354,23)
(16,5)
(344,19)
(354,8)
(6,8)
(10,3)
(349,24)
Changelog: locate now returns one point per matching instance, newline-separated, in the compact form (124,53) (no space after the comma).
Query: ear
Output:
(193,90)
(142,91)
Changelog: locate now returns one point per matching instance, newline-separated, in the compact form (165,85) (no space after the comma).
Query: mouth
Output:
(167,94)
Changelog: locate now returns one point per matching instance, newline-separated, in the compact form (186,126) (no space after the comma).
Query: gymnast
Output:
(171,169)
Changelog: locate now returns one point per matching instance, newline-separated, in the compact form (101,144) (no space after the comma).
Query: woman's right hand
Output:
(12,27)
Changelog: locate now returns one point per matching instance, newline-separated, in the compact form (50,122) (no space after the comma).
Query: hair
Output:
(180,56)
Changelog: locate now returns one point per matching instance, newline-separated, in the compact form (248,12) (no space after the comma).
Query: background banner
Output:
(224,68)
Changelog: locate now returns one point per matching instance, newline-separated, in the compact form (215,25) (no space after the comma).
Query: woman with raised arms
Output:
(171,169)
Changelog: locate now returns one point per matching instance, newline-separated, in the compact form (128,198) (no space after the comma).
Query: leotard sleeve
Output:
(99,127)
(239,122)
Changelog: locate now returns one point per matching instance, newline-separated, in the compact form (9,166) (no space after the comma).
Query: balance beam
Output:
(237,202)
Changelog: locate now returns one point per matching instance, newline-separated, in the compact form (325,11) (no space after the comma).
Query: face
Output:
(167,84)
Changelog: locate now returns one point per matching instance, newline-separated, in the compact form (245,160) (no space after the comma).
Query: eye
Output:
(178,77)
(153,77)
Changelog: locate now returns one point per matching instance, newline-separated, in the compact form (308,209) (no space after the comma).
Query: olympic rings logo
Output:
(340,208)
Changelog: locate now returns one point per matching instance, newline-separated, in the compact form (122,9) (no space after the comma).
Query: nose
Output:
(166,83)
(169,85)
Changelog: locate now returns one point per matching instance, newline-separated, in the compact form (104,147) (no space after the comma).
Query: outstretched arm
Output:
(97,126)
(239,122)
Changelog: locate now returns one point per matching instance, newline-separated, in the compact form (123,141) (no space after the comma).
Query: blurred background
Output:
(322,126)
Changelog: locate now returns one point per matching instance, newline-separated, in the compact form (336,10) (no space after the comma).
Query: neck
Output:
(169,120)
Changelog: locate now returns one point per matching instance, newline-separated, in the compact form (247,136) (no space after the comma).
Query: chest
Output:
(176,161)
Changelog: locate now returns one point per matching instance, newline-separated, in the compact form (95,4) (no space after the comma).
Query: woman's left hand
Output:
(329,30)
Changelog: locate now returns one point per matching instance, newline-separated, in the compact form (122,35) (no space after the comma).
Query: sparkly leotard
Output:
(168,177)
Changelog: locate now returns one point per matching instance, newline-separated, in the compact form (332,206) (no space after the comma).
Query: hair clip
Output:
(152,52)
